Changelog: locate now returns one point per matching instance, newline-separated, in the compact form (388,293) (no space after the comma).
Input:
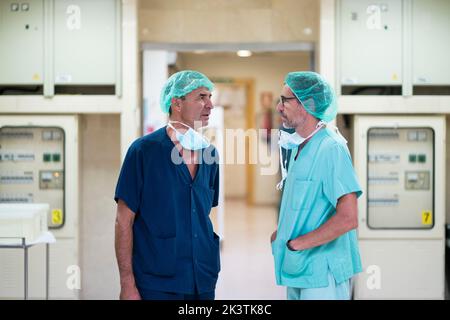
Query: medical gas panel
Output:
(59,42)
(381,43)
(39,164)
(400,162)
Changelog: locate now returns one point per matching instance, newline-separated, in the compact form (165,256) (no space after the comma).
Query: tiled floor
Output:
(246,258)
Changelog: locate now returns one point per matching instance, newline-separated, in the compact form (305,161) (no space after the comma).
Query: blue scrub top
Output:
(322,173)
(174,246)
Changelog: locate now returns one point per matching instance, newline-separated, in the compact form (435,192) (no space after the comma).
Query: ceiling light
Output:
(244,53)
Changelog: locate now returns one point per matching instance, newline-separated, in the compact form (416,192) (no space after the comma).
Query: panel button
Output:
(47,157)
(422,158)
(56,157)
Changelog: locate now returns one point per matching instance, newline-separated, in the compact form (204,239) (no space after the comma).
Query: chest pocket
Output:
(303,194)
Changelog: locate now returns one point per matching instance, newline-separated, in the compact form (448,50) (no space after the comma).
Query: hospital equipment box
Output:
(18,221)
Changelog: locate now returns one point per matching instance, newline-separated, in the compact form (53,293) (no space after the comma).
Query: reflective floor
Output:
(246,258)
(247,265)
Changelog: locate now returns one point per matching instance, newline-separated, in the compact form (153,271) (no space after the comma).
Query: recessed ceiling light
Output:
(244,53)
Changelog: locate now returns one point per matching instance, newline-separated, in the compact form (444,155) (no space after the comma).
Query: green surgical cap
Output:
(180,84)
(315,94)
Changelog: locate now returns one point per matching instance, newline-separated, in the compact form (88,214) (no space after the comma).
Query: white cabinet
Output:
(370,42)
(430,40)
(21,42)
(85,42)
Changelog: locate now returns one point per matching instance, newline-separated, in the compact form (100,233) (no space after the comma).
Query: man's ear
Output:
(175,104)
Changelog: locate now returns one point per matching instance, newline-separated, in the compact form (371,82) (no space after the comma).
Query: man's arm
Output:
(345,219)
(124,249)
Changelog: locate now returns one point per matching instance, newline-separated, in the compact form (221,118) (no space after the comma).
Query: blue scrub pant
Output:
(159,295)
(334,291)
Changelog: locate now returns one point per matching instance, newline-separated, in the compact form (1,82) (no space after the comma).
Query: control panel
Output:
(400,177)
(32,168)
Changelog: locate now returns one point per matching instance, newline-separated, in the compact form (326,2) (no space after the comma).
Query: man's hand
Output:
(273,236)
(129,293)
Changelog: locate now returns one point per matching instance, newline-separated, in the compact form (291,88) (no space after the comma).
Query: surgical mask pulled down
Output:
(292,140)
(191,139)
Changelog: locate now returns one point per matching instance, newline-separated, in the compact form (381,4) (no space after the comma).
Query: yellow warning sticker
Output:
(427,218)
(57,216)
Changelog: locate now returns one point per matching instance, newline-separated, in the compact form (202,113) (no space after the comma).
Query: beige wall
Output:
(99,169)
(231,97)
(268,71)
(228,20)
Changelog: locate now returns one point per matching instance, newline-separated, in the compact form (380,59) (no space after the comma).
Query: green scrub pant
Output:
(334,291)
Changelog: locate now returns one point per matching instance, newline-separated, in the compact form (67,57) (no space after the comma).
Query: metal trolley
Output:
(25,246)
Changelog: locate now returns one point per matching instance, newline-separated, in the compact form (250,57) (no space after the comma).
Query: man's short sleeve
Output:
(340,177)
(129,185)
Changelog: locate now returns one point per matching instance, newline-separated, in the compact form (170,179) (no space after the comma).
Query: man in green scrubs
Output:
(315,246)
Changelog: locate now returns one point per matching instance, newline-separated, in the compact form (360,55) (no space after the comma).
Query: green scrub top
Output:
(322,173)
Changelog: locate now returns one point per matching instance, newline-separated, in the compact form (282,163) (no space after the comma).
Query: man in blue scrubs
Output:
(165,244)
(315,245)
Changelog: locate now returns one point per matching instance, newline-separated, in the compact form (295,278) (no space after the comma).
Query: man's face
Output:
(196,107)
(291,111)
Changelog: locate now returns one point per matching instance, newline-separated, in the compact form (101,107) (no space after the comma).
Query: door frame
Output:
(248,83)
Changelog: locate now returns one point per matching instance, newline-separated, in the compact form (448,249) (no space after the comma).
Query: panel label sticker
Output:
(57,216)
(427,218)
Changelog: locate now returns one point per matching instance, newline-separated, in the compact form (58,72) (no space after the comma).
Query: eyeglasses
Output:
(283,99)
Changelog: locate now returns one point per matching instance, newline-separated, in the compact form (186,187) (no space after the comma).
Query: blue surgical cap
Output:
(180,84)
(314,92)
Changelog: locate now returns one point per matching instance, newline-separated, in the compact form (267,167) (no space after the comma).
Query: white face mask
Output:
(290,140)
(191,139)
(293,140)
